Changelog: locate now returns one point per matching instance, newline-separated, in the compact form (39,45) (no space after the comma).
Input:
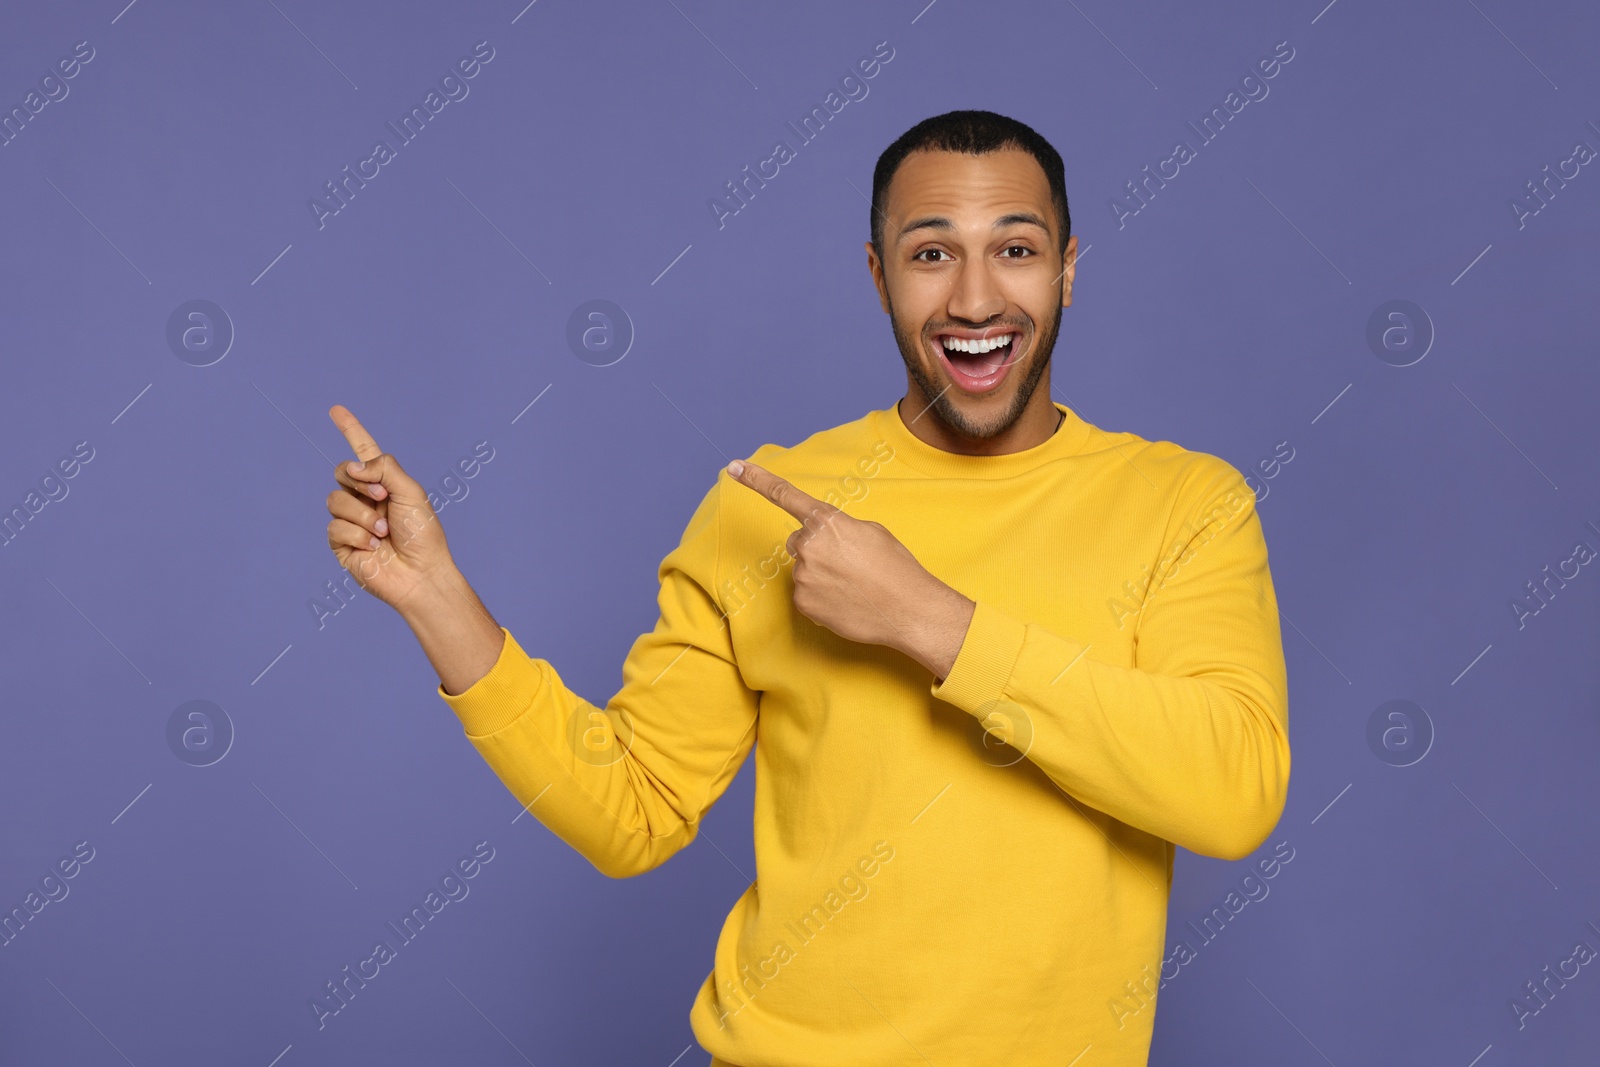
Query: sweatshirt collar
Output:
(916,453)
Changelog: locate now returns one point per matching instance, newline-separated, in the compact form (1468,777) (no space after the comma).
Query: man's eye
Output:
(1020,248)
(928,251)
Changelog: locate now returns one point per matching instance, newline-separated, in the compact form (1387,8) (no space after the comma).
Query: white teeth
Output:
(975,347)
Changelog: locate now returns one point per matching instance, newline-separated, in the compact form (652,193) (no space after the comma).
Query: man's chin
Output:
(977,415)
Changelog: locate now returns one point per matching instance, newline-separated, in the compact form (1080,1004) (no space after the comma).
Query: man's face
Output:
(970,259)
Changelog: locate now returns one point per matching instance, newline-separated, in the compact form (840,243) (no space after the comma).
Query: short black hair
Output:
(975,133)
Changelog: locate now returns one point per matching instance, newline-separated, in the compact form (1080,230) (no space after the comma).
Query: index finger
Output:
(781,492)
(360,440)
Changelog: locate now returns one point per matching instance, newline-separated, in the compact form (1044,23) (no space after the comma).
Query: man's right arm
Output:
(455,630)
(625,784)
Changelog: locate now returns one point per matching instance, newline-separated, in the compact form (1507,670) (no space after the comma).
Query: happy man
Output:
(996,680)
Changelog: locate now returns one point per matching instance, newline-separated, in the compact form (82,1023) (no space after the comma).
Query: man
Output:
(1000,661)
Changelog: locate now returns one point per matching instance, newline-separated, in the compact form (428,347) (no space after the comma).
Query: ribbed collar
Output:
(916,453)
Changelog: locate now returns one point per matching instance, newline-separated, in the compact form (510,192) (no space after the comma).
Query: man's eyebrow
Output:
(1024,217)
(939,222)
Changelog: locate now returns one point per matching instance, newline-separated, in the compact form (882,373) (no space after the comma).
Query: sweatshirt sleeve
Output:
(627,783)
(1190,744)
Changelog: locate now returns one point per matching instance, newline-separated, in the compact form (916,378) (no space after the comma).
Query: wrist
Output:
(460,638)
(438,595)
(940,628)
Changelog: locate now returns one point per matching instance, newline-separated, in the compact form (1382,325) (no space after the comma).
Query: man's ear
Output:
(875,266)
(1069,267)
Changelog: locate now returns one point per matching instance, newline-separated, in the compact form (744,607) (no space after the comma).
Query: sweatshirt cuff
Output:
(496,699)
(983,666)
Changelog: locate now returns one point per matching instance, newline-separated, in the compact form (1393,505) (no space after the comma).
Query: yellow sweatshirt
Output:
(972,871)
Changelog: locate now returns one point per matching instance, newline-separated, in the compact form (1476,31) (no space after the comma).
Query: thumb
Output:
(389,481)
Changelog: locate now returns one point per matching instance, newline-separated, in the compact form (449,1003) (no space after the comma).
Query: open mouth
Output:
(978,364)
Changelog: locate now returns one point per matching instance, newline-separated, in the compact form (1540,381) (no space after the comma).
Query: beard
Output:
(913,349)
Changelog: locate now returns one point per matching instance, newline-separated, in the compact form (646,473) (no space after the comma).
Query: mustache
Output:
(929,329)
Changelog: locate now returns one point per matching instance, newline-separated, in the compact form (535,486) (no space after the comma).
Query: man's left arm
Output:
(1192,744)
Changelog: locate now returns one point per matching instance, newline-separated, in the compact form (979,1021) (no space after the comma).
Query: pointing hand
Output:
(383,530)
(858,580)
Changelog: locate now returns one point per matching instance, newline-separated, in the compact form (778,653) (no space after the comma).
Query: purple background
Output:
(1227,315)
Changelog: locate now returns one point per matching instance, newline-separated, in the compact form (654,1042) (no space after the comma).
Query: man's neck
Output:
(1037,423)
